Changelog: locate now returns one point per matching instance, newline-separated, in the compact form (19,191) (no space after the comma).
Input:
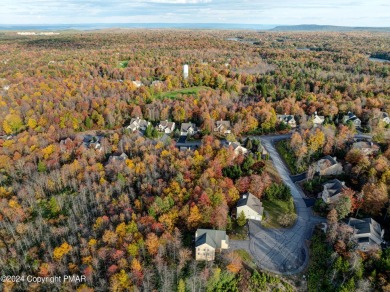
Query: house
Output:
(118,158)
(188,129)
(222,127)
(351,118)
(333,190)
(368,148)
(138,124)
(166,127)
(385,118)
(367,232)
(137,83)
(188,148)
(65,143)
(251,206)
(208,241)
(238,149)
(328,165)
(92,141)
(7,137)
(317,120)
(287,120)
(157,83)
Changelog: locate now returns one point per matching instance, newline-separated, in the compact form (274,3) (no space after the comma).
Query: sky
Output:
(288,12)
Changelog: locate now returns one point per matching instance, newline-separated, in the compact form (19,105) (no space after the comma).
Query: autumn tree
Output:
(61,251)
(195,217)
(152,243)
(374,198)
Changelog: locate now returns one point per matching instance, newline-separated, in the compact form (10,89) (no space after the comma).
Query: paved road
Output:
(282,251)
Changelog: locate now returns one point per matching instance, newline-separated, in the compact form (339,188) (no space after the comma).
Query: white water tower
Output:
(185,71)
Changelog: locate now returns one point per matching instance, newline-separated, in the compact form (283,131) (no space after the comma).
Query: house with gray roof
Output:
(208,241)
(328,165)
(352,118)
(366,147)
(93,142)
(222,127)
(237,148)
(188,129)
(385,118)
(166,127)
(137,83)
(7,137)
(287,120)
(157,83)
(367,232)
(317,120)
(118,158)
(250,206)
(137,124)
(333,190)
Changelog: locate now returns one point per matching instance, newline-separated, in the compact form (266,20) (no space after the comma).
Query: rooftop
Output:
(252,202)
(326,161)
(334,187)
(211,237)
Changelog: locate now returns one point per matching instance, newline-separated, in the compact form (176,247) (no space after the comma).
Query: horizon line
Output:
(185,23)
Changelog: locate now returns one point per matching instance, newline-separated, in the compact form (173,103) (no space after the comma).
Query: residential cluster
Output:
(208,241)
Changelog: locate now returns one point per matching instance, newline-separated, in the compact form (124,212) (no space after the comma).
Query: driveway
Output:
(282,251)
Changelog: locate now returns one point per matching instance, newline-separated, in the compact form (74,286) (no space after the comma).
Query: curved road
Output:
(281,251)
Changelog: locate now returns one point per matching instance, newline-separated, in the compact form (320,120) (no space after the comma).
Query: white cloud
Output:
(335,12)
(178,1)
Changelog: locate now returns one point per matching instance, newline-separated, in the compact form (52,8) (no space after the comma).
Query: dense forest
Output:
(66,208)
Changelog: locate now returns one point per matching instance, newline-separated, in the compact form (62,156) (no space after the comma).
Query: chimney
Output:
(315,113)
(244,196)
(343,183)
(335,158)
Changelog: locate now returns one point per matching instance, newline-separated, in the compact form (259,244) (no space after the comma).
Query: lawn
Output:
(123,64)
(273,209)
(184,91)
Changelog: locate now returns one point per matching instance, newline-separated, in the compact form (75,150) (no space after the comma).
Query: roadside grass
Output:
(246,258)
(179,93)
(289,158)
(273,209)
(271,170)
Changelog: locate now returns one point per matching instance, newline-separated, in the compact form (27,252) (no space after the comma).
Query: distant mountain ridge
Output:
(100,26)
(216,26)
(315,27)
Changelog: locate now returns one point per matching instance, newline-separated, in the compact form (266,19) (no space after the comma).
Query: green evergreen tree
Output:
(41,166)
(241,220)
(154,133)
(149,132)
(88,123)
(249,144)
